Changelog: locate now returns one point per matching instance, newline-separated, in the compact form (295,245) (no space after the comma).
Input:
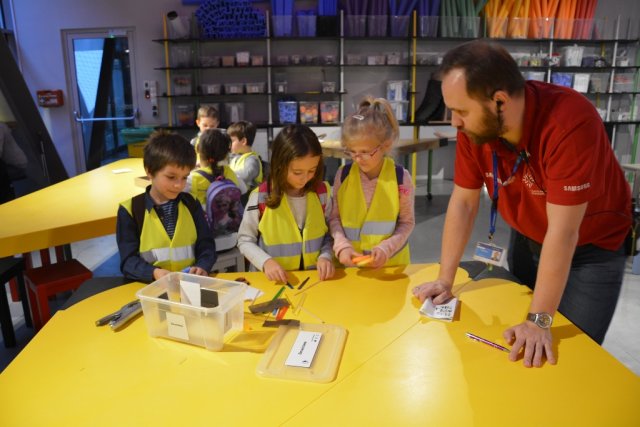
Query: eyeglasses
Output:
(366,155)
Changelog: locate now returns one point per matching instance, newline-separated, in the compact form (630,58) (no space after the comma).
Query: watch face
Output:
(542,320)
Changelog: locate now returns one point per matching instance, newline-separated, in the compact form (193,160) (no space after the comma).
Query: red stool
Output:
(51,279)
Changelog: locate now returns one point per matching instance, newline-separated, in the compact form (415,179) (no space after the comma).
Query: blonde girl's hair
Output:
(293,141)
(374,120)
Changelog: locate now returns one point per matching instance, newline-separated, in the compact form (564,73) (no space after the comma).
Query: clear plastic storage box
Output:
(167,317)
(397,90)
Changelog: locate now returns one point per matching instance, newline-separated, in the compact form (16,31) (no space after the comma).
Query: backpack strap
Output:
(399,173)
(207,175)
(263,189)
(321,191)
(191,203)
(345,171)
(138,208)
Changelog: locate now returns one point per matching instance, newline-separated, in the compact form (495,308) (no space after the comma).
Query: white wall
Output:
(38,26)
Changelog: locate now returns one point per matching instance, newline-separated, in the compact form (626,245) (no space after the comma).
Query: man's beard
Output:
(492,128)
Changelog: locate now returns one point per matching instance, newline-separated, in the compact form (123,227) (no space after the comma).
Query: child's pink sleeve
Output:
(340,241)
(406,218)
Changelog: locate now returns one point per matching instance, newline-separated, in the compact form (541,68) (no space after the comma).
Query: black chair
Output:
(12,268)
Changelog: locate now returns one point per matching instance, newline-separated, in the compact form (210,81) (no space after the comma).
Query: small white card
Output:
(177,326)
(251,293)
(122,170)
(440,312)
(190,293)
(304,349)
(491,254)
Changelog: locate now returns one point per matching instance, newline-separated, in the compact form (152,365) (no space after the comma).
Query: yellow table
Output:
(397,367)
(79,208)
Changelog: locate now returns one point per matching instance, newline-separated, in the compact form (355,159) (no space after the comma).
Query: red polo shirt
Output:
(570,161)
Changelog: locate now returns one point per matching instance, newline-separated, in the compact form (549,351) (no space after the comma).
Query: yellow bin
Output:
(136,139)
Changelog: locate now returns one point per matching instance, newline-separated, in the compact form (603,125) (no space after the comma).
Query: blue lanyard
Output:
(494,198)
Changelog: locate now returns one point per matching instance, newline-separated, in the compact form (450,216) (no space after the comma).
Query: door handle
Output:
(81,119)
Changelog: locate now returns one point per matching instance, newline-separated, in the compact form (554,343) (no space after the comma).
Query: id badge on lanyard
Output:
(490,252)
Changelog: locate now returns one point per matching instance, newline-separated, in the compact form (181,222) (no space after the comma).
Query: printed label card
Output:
(304,349)
(442,311)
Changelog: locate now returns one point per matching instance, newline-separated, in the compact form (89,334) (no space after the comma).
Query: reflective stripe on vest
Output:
(366,228)
(280,236)
(155,246)
(239,165)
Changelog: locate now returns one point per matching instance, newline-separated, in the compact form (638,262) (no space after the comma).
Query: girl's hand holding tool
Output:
(274,271)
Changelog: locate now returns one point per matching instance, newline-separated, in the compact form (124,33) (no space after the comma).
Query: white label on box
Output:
(190,293)
(441,311)
(304,349)
(177,326)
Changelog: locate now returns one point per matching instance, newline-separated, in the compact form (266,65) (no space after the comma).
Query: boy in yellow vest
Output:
(208,118)
(245,162)
(164,229)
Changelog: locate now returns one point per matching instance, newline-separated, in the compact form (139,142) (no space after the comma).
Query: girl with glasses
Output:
(373,197)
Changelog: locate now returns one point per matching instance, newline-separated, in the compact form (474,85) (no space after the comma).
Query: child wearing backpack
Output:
(164,229)
(373,199)
(284,226)
(216,187)
(213,149)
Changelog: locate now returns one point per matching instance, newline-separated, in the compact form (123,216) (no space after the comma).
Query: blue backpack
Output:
(223,206)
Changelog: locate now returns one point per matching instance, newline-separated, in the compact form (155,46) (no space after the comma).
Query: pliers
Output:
(119,318)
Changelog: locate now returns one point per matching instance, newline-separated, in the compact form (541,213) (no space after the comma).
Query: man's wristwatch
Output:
(542,320)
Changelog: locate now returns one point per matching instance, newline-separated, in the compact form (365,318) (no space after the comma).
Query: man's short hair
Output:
(488,67)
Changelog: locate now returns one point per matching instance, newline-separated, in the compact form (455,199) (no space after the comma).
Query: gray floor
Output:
(622,341)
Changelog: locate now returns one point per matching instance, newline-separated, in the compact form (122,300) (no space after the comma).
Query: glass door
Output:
(100,68)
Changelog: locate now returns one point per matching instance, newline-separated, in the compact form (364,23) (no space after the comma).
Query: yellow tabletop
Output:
(434,375)
(333,148)
(397,368)
(79,208)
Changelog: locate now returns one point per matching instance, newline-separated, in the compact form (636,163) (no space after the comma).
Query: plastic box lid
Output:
(166,316)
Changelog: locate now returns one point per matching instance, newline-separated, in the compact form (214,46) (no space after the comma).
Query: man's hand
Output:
(274,271)
(533,340)
(439,290)
(326,269)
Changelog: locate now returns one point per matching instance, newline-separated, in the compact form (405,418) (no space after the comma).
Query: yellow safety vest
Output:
(238,164)
(281,238)
(155,246)
(367,228)
(200,184)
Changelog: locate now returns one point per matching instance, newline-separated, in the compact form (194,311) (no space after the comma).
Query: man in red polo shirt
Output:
(544,155)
